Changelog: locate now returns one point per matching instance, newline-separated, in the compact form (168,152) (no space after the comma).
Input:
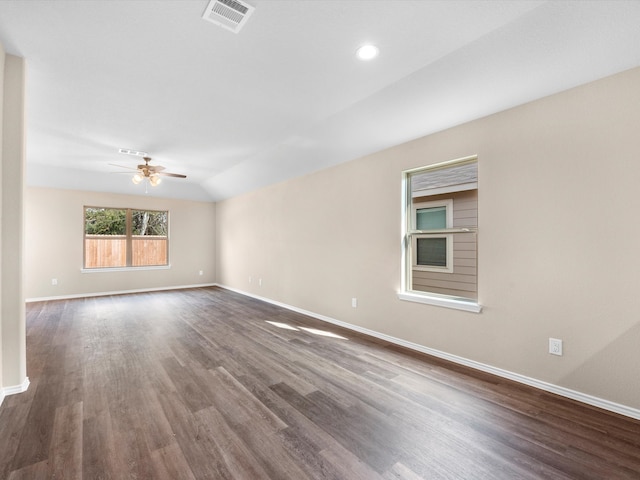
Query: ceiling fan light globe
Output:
(152,173)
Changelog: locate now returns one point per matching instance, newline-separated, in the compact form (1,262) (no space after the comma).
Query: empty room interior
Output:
(314,239)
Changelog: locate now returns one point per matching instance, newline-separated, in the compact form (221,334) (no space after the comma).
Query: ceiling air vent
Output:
(229,14)
(128,151)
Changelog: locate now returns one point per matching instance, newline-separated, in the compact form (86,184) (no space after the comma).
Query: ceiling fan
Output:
(145,171)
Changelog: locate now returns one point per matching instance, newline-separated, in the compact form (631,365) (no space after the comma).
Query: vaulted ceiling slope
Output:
(286,95)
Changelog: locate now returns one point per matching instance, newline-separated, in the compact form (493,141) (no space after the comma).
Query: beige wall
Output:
(2,226)
(54,230)
(13,374)
(558,239)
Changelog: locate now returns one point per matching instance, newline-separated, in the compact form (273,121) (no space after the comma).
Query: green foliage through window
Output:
(105,221)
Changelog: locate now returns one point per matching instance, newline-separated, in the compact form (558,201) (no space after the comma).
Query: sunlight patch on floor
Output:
(315,331)
(283,325)
(323,333)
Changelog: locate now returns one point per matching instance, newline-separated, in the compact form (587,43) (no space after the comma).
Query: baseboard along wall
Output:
(118,292)
(6,391)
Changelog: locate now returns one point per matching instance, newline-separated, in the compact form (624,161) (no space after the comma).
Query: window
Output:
(440,214)
(125,237)
(433,251)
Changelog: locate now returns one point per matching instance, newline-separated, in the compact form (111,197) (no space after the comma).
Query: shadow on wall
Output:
(606,365)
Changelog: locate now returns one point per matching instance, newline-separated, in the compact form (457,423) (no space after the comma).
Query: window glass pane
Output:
(105,243)
(105,221)
(432,252)
(149,240)
(431,218)
(148,250)
(104,251)
(147,222)
(434,181)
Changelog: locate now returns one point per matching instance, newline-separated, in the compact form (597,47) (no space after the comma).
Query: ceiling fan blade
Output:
(167,174)
(151,168)
(122,166)
(147,170)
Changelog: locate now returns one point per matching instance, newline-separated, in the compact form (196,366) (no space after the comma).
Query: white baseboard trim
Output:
(118,292)
(14,389)
(532,382)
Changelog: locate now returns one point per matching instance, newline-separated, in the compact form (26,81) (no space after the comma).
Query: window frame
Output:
(448,204)
(129,240)
(408,232)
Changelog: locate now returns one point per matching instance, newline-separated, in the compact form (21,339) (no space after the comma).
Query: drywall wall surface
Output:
(557,241)
(2,227)
(12,316)
(54,244)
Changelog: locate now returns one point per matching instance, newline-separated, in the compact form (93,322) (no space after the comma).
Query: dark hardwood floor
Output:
(196,384)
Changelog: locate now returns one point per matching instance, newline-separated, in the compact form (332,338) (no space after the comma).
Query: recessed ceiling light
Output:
(367,52)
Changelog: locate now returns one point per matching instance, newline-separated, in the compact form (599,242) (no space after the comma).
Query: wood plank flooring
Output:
(196,384)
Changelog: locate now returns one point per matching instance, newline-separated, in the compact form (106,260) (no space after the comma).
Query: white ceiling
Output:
(286,96)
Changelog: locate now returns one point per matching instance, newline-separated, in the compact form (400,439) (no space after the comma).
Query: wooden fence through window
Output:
(104,251)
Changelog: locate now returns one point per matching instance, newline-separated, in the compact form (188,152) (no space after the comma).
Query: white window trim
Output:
(448,204)
(429,298)
(125,269)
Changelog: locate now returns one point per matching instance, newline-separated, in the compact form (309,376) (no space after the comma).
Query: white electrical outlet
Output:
(555,346)
(200,272)
(354,302)
(54,281)
(259,282)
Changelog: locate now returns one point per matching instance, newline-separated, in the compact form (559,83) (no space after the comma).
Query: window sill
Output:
(456,303)
(124,269)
